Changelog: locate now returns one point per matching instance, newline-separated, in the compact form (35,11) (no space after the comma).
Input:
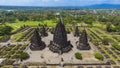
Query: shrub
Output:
(110,27)
(98,56)
(116,45)
(24,56)
(78,55)
(5,30)
(96,42)
(105,41)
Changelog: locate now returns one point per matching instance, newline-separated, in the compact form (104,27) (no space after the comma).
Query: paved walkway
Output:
(49,57)
(13,43)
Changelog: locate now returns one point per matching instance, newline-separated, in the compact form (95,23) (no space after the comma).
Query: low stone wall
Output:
(67,64)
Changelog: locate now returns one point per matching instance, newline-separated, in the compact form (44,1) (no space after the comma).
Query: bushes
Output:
(11,53)
(5,30)
(17,36)
(96,42)
(78,56)
(4,38)
(105,41)
(116,45)
(24,56)
(98,56)
(110,27)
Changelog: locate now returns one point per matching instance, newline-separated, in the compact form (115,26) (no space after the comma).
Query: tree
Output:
(116,45)
(5,30)
(88,22)
(96,41)
(22,18)
(110,27)
(105,41)
(78,55)
(103,19)
(98,56)
(11,19)
(24,56)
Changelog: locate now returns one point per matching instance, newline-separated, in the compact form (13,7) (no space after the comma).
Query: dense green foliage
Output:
(24,56)
(13,16)
(5,30)
(78,55)
(110,27)
(98,56)
(105,41)
(70,16)
(3,37)
(116,45)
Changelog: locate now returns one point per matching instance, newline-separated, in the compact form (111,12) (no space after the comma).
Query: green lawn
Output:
(99,24)
(104,34)
(17,36)
(30,23)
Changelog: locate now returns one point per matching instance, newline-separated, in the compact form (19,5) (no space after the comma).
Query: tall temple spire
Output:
(60,43)
(43,32)
(76,33)
(83,41)
(60,21)
(36,42)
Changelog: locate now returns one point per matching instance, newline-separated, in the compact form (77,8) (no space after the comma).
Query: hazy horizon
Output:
(56,2)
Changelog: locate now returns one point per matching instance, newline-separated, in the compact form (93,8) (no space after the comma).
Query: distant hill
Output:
(103,6)
(66,7)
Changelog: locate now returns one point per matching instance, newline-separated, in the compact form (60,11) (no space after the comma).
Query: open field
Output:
(18,24)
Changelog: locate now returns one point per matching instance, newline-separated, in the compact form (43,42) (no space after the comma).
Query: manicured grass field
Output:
(30,23)
(17,36)
(100,24)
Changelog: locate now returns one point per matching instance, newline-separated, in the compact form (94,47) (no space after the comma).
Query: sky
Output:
(56,2)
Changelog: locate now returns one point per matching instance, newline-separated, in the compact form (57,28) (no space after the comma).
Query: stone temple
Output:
(76,33)
(44,32)
(83,41)
(60,44)
(36,42)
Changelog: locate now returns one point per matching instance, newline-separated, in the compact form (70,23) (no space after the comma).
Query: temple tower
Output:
(36,42)
(76,33)
(83,41)
(60,43)
(43,32)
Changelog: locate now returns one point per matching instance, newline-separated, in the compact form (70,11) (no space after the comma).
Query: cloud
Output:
(56,2)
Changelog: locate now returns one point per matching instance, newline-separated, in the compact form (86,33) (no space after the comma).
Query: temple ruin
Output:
(83,41)
(36,42)
(60,44)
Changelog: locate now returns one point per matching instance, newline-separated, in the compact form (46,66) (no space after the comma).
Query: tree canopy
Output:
(5,30)
(98,56)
